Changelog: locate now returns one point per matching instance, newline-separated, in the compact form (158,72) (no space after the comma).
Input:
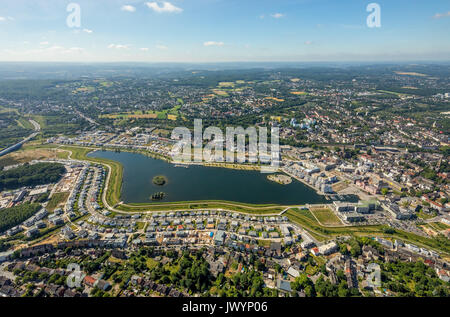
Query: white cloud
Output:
(308,43)
(277,15)
(3,19)
(441,15)
(161,47)
(128,8)
(55,48)
(145,49)
(166,7)
(119,46)
(52,53)
(212,43)
(87,31)
(75,50)
(44,43)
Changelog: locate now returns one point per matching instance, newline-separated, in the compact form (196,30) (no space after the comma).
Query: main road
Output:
(16,146)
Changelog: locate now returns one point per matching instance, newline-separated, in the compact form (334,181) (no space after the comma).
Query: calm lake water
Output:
(203,183)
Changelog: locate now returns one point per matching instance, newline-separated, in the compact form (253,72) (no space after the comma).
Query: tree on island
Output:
(159,180)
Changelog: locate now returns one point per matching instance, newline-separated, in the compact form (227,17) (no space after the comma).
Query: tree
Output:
(343,249)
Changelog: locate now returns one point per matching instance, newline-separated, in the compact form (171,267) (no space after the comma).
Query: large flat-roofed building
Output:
(362,207)
(353,217)
(343,207)
(328,248)
(219,237)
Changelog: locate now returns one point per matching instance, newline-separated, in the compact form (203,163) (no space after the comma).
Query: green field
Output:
(57,199)
(326,217)
(439,226)
(140,114)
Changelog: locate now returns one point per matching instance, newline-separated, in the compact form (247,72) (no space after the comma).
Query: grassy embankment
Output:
(326,217)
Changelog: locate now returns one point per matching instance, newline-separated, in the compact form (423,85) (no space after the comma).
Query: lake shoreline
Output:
(239,186)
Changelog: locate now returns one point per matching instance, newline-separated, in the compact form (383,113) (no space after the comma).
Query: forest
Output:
(31,175)
(11,217)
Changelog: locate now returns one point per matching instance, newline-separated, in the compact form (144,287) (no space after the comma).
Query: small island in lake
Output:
(280,179)
(159,180)
(158,196)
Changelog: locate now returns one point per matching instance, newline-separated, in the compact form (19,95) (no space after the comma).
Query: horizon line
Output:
(230,62)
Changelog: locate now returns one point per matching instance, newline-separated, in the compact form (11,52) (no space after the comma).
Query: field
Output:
(340,186)
(171,114)
(424,215)
(27,154)
(398,94)
(274,99)
(438,226)
(298,93)
(410,74)
(24,123)
(221,93)
(84,89)
(326,216)
(226,84)
(57,201)
(6,110)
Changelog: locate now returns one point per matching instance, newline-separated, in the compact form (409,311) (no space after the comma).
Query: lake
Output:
(203,183)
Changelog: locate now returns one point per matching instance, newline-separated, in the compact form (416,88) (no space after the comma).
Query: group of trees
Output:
(24,277)
(413,279)
(354,246)
(323,287)
(192,274)
(4,245)
(90,266)
(11,131)
(31,175)
(242,284)
(13,216)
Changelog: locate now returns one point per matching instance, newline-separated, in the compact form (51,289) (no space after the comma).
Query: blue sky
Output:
(224,30)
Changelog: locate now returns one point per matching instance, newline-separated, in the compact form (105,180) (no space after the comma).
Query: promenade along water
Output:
(203,183)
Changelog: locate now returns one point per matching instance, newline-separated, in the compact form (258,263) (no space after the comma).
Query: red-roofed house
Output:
(89,281)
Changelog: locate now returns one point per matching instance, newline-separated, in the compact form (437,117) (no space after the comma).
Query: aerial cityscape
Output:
(238,171)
